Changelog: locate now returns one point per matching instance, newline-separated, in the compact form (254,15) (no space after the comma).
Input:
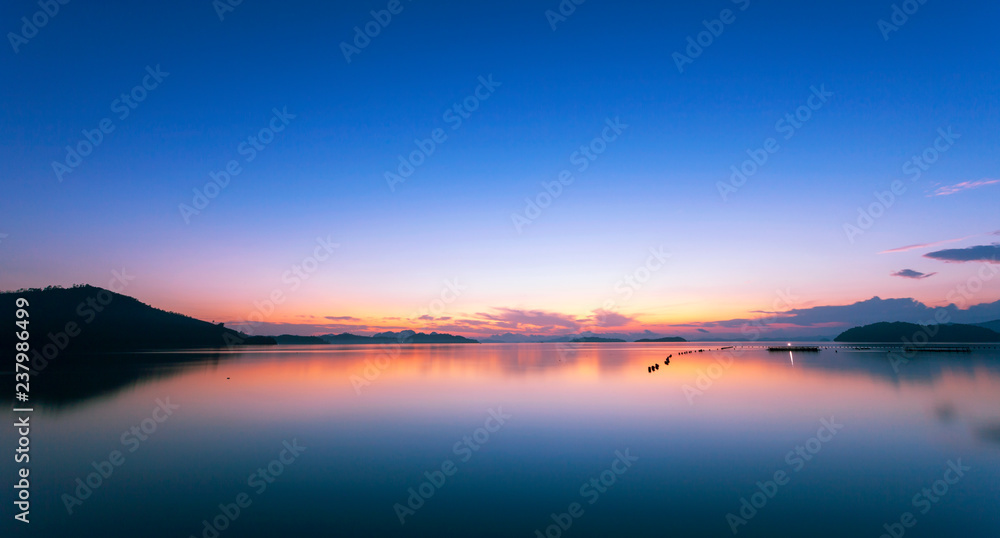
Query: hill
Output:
(906,332)
(295,340)
(664,339)
(991,325)
(595,339)
(402,337)
(91,319)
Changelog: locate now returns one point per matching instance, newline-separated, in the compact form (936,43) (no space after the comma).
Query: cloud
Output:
(513,318)
(342,318)
(865,312)
(703,331)
(606,318)
(910,273)
(925,245)
(981,253)
(963,186)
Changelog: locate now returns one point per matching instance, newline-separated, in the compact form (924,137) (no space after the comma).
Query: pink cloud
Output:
(925,245)
(963,186)
(513,318)
(606,318)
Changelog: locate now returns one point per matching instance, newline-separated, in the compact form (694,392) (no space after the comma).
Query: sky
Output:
(569,167)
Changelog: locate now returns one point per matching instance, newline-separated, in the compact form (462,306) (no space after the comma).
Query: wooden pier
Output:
(952,349)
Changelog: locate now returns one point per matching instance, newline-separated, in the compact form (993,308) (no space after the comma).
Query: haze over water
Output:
(698,435)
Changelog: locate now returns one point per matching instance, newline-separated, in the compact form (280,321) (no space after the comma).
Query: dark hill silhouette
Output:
(991,325)
(908,332)
(664,339)
(295,340)
(587,339)
(91,319)
(402,337)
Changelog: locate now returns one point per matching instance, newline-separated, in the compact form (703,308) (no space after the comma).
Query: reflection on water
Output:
(702,434)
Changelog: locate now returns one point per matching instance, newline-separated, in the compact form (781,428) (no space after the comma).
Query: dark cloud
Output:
(342,318)
(703,331)
(981,253)
(910,273)
(873,310)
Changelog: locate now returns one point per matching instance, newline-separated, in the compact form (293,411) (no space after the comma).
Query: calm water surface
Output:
(499,438)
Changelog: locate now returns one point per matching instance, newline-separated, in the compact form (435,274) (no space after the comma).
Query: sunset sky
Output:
(647,206)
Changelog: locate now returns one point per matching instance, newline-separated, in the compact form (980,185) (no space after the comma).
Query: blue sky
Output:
(655,185)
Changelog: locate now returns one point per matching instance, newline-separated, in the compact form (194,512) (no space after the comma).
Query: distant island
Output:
(664,339)
(991,325)
(88,319)
(912,332)
(91,319)
(588,339)
(402,337)
(296,340)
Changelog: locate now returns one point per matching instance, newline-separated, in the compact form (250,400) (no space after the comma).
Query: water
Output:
(697,436)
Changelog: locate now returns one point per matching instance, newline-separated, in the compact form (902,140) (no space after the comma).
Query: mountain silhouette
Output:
(402,337)
(991,325)
(913,333)
(89,319)
(296,340)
